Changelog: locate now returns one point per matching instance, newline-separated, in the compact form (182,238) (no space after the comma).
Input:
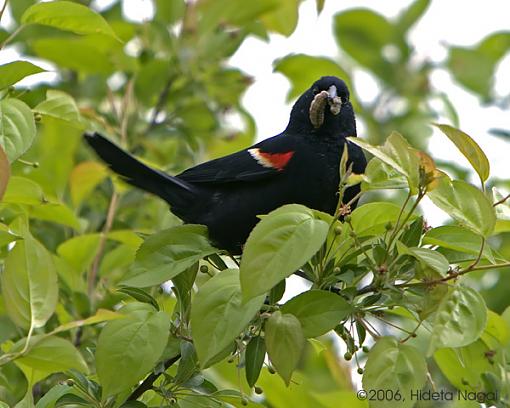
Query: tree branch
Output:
(147,384)
(3,9)
(159,105)
(91,279)
(455,275)
(122,117)
(501,201)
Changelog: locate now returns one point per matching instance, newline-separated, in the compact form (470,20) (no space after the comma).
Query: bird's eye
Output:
(315,90)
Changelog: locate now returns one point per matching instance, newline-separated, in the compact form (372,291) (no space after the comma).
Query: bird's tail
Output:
(174,191)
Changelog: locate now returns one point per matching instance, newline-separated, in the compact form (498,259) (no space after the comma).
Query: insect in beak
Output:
(334,101)
(318,105)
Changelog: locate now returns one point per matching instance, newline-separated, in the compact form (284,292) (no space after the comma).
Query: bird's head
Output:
(324,109)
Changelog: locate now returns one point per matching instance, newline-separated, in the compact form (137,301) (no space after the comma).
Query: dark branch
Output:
(146,385)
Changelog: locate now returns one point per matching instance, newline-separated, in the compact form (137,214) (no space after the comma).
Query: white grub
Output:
(317,109)
(335,105)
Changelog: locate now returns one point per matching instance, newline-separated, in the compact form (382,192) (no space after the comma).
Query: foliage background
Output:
(164,89)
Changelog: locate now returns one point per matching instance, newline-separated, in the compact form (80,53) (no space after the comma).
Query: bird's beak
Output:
(332,92)
(334,101)
(320,101)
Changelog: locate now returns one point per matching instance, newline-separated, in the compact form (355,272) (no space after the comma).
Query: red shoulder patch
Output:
(276,161)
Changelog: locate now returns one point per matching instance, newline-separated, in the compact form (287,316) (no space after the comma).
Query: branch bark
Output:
(147,384)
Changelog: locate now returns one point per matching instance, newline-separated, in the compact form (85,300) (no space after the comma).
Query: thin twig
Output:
(362,248)
(391,324)
(455,275)
(160,104)
(111,100)
(125,113)
(502,201)
(413,333)
(122,117)
(11,37)
(146,385)
(369,328)
(478,258)
(353,199)
(3,9)
(91,279)
(399,225)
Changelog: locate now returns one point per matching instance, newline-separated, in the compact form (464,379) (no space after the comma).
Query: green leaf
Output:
(18,7)
(6,236)
(458,239)
(48,355)
(218,314)
(71,400)
(139,294)
(461,365)
(15,71)
(133,404)
(17,127)
(318,311)
(80,54)
(52,396)
(84,178)
(319,5)
(60,105)
(303,70)
(29,283)
(67,16)
(474,67)
(459,319)
(102,315)
(130,346)
(56,212)
(428,258)
(363,34)
(214,12)
(5,172)
(469,148)
(370,219)
(254,359)
(465,203)
(188,363)
(394,366)
(169,11)
(167,253)
(284,19)
(285,343)
(79,252)
(21,190)
(278,246)
(398,154)
(380,176)
(411,15)
(497,331)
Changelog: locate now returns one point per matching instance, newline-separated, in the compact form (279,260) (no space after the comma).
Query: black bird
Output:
(300,165)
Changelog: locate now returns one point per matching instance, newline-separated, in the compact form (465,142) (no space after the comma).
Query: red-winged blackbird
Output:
(300,165)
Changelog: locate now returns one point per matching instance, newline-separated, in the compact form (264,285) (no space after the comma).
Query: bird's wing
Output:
(266,159)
